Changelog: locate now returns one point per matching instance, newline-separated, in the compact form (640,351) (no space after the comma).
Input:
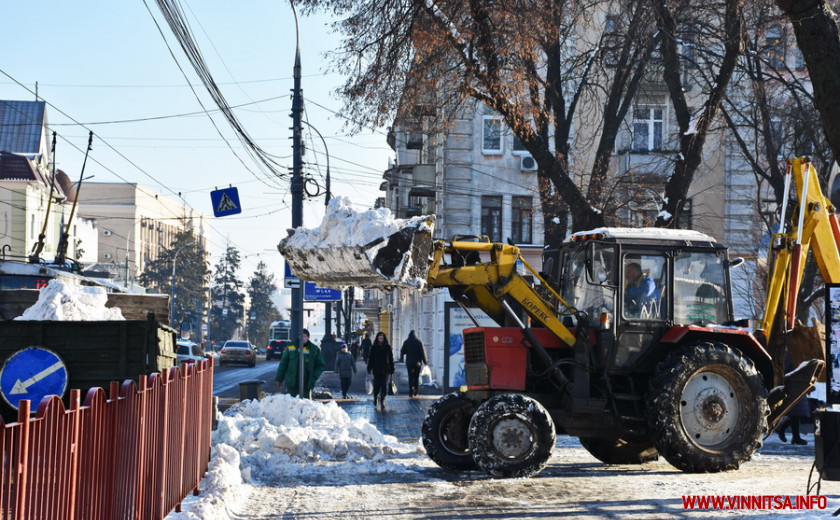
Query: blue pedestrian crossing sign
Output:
(32,373)
(225,202)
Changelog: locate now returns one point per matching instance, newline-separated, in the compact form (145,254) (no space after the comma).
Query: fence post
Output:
(22,466)
(76,413)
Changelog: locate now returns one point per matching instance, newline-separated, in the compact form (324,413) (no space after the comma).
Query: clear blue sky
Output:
(103,60)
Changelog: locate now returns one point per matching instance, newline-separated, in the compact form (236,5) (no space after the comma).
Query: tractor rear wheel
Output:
(620,451)
(445,432)
(511,436)
(707,408)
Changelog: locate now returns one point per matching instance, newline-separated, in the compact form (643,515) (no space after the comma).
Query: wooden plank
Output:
(138,306)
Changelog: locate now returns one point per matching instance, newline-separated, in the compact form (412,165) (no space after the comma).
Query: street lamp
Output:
(172,289)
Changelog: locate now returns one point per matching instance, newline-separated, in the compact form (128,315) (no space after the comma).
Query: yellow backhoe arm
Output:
(814,225)
(485,284)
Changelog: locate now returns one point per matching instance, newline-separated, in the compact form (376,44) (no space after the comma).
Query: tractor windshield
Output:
(593,292)
(699,290)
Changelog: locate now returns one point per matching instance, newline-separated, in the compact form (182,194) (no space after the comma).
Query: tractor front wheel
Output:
(445,432)
(511,436)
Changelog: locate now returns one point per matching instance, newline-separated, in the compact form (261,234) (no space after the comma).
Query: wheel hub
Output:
(512,438)
(709,408)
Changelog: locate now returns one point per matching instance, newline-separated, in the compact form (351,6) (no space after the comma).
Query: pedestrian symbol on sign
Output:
(225,202)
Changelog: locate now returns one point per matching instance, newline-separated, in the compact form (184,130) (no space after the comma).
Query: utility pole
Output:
(297,198)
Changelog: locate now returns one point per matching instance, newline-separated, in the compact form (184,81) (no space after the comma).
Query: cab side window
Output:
(645,278)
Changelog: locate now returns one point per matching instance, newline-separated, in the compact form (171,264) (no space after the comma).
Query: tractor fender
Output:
(737,338)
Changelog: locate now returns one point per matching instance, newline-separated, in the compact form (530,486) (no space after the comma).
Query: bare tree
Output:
(721,55)
(550,68)
(815,26)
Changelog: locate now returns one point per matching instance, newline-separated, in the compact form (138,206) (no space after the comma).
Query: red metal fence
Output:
(134,454)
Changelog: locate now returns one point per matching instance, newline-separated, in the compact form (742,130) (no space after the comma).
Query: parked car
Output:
(275,349)
(237,351)
(188,351)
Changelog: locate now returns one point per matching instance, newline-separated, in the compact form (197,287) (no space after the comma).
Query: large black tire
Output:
(511,436)
(620,451)
(445,432)
(707,408)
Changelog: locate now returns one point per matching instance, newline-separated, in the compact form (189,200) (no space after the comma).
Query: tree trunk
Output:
(815,26)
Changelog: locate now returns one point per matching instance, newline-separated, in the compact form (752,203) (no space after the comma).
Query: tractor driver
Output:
(640,292)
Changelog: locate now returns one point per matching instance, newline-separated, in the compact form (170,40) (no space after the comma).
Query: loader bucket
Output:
(397,260)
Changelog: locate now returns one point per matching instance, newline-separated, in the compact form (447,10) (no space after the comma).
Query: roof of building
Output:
(21,125)
(19,168)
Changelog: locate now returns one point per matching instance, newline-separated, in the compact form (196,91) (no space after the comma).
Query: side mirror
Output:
(735,262)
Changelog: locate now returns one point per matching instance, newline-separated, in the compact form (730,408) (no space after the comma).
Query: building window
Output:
(611,41)
(491,217)
(518,146)
(491,137)
(775,41)
(521,223)
(647,128)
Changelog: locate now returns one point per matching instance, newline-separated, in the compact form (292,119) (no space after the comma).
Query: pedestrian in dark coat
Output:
(345,366)
(801,410)
(366,344)
(415,357)
(381,365)
(354,349)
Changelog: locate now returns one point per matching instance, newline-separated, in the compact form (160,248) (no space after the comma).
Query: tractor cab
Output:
(637,284)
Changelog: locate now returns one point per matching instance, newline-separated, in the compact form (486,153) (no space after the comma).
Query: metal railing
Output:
(135,453)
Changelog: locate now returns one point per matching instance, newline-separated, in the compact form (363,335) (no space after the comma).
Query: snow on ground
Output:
(288,458)
(61,301)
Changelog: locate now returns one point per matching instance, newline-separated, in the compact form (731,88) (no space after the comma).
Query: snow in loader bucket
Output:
(361,248)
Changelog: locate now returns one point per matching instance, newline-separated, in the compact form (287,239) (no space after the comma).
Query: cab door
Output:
(644,305)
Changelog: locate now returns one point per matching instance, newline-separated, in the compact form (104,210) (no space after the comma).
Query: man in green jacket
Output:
(313,367)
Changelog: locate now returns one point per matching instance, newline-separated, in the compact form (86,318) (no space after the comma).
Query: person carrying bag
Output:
(380,365)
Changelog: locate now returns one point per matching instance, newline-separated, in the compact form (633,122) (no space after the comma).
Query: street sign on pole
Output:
(32,373)
(313,293)
(225,202)
(290,280)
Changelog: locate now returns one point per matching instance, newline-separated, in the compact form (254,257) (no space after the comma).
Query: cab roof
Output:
(644,234)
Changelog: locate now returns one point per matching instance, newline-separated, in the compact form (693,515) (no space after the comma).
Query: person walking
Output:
(313,367)
(801,410)
(380,364)
(345,367)
(414,354)
(354,349)
(366,344)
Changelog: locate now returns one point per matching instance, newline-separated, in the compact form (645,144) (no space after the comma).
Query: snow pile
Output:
(277,433)
(366,248)
(60,301)
(221,490)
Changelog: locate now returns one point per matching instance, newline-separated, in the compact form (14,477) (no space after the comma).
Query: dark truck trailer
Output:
(93,352)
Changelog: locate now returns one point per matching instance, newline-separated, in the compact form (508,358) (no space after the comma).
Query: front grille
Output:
(474,347)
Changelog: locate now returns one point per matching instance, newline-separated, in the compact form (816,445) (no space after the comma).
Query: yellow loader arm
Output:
(486,284)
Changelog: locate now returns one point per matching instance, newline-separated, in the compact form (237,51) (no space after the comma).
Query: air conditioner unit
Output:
(107,256)
(107,232)
(527,163)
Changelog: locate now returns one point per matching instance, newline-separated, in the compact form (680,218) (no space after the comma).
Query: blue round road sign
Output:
(32,373)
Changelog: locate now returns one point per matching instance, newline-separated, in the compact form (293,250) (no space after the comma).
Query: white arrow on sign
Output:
(22,387)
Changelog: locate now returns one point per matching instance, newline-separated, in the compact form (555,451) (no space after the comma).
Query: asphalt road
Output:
(226,379)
